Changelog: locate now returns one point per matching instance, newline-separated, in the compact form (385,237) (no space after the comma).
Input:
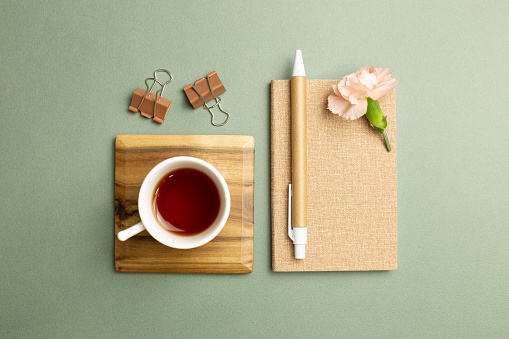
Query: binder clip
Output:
(203,91)
(150,104)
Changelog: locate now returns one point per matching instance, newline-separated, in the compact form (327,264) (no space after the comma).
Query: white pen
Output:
(297,193)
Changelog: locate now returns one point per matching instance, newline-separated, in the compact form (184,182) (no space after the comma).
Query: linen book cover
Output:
(352,186)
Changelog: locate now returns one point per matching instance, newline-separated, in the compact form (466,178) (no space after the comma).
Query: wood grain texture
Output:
(232,250)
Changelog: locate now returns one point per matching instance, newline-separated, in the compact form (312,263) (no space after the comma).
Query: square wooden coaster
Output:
(232,250)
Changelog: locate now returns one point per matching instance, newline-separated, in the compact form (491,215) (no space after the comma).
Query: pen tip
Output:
(298,66)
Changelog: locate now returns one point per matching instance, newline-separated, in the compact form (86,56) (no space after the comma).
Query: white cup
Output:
(149,220)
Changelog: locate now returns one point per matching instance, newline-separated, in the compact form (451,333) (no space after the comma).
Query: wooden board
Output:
(232,250)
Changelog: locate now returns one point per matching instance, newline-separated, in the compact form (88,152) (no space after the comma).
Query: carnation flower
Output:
(357,94)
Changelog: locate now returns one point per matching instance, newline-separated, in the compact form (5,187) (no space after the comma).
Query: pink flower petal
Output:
(356,111)
(336,90)
(354,92)
(383,89)
(367,79)
(349,97)
(344,108)
(382,74)
(337,104)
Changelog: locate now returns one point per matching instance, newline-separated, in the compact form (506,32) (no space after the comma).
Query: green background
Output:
(68,70)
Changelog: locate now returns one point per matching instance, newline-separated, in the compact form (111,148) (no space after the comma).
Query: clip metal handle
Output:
(218,104)
(209,108)
(159,92)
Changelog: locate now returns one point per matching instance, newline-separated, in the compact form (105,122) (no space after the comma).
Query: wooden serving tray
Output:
(232,250)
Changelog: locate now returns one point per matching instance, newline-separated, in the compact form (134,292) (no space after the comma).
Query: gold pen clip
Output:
(290,224)
(297,234)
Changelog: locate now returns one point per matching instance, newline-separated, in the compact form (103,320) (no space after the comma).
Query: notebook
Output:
(352,186)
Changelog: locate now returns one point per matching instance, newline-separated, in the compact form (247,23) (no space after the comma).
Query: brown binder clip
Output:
(150,104)
(204,90)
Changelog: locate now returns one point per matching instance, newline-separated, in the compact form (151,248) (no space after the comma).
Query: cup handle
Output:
(133,230)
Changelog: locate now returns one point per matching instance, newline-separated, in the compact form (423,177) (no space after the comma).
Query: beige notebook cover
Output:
(352,187)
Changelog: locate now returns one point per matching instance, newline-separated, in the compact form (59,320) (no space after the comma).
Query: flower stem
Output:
(386,138)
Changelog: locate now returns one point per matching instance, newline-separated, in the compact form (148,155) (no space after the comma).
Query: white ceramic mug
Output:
(149,220)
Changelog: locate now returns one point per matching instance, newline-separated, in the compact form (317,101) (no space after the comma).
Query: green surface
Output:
(68,70)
